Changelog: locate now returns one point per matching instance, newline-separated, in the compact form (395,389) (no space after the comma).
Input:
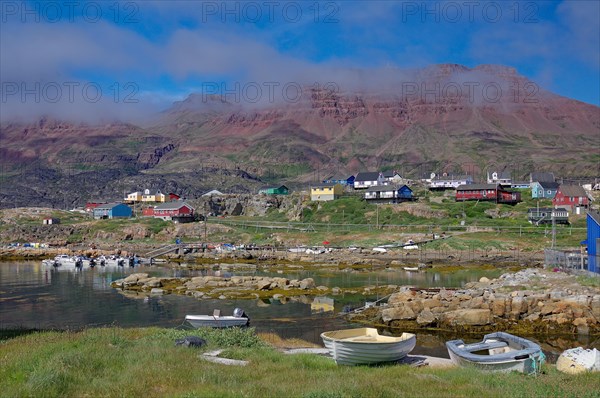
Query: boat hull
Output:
(365,346)
(505,353)
(208,321)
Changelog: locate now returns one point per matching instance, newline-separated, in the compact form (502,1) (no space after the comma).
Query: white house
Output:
(368,179)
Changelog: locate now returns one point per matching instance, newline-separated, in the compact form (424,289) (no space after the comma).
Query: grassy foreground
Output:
(145,362)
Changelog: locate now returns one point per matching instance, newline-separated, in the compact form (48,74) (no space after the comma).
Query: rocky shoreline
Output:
(236,287)
(531,300)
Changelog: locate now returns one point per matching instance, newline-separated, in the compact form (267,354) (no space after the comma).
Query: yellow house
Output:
(134,197)
(153,197)
(325,192)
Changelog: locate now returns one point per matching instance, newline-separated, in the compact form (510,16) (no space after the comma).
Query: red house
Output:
(90,206)
(173,196)
(176,211)
(487,192)
(148,212)
(571,197)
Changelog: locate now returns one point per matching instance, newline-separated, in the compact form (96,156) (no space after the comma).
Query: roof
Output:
(502,175)
(177,204)
(324,185)
(544,209)
(213,192)
(157,192)
(452,178)
(382,188)
(338,178)
(548,184)
(390,173)
(367,176)
(108,206)
(273,187)
(572,190)
(475,187)
(594,215)
(540,176)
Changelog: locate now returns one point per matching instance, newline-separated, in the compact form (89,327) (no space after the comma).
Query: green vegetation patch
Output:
(115,362)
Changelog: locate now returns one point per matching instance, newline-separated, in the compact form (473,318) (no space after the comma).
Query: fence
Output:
(412,228)
(565,259)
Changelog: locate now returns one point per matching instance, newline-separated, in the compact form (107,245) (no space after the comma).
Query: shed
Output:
(593,240)
(275,190)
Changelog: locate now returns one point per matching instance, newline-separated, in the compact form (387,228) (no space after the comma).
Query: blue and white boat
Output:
(498,352)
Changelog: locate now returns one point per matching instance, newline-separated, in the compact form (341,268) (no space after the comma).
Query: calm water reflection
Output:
(33,296)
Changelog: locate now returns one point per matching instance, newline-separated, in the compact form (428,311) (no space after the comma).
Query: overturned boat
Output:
(366,346)
(498,352)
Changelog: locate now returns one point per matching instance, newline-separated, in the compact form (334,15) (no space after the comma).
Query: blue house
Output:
(593,240)
(112,210)
(543,189)
(404,192)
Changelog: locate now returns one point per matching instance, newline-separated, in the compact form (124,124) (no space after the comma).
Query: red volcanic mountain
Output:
(485,116)
(444,117)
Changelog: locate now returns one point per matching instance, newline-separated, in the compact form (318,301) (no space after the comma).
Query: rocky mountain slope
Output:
(445,117)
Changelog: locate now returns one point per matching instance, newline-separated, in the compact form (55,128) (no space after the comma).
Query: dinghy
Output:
(498,352)
(216,320)
(366,346)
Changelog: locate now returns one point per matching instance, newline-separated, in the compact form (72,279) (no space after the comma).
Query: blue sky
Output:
(157,52)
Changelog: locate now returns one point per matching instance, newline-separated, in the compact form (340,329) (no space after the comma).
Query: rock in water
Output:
(191,341)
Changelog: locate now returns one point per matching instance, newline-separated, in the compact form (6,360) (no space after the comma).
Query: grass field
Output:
(114,362)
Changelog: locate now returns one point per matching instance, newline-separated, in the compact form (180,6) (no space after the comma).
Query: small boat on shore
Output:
(364,346)
(216,320)
(498,352)
(411,269)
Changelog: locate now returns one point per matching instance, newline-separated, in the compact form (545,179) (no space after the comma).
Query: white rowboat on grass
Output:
(366,346)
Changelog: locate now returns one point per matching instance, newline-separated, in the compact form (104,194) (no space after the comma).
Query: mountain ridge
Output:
(329,131)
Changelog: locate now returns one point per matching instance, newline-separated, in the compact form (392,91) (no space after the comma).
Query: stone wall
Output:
(491,303)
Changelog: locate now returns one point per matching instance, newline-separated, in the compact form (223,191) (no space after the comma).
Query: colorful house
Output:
(156,196)
(366,179)
(544,215)
(133,197)
(112,210)
(173,196)
(543,189)
(325,192)
(175,211)
(388,194)
(487,192)
(593,241)
(572,197)
(280,190)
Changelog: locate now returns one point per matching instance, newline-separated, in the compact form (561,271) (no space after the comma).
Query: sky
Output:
(124,60)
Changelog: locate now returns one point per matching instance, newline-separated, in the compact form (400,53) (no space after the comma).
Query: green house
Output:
(280,190)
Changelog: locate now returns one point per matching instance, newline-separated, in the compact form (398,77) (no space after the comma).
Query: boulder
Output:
(153,282)
(133,278)
(426,317)
(471,317)
(307,283)
(397,313)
